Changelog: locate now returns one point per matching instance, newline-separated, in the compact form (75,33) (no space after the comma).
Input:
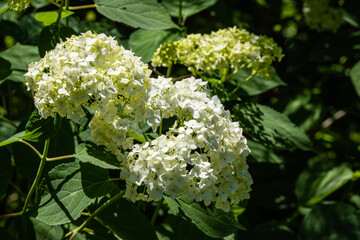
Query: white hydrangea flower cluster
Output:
(320,16)
(83,70)
(203,155)
(231,48)
(19,5)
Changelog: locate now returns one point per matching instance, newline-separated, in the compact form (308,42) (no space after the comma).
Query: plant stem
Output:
(83,7)
(67,2)
(8,121)
(231,74)
(9,215)
(17,189)
(32,147)
(75,7)
(156,212)
(92,216)
(59,158)
(160,128)
(224,74)
(242,83)
(180,12)
(146,138)
(154,70)
(115,179)
(19,70)
(168,71)
(58,21)
(38,175)
(53,3)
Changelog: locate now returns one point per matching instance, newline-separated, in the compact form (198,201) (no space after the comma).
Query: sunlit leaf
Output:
(70,188)
(269,127)
(144,42)
(96,155)
(256,85)
(355,77)
(188,7)
(50,17)
(146,14)
(20,61)
(126,221)
(312,187)
(213,222)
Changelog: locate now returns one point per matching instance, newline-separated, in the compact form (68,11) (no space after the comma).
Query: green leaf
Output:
(305,109)
(355,77)
(31,28)
(188,7)
(6,171)
(213,222)
(4,8)
(256,85)
(96,155)
(176,228)
(144,42)
(50,17)
(266,126)
(146,14)
(4,68)
(223,93)
(332,222)
(262,154)
(70,188)
(125,219)
(51,35)
(31,136)
(6,129)
(312,186)
(350,19)
(39,3)
(63,143)
(45,128)
(134,135)
(44,231)
(106,27)
(20,61)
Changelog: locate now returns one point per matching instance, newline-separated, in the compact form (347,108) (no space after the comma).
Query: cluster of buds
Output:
(19,5)
(231,48)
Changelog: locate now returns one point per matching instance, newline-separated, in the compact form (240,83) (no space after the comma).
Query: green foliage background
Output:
(302,126)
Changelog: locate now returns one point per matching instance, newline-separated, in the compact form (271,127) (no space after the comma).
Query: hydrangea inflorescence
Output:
(319,15)
(19,5)
(202,155)
(82,71)
(231,48)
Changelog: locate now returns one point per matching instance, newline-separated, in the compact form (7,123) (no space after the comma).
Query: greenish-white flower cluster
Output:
(202,155)
(19,5)
(230,48)
(83,70)
(321,16)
